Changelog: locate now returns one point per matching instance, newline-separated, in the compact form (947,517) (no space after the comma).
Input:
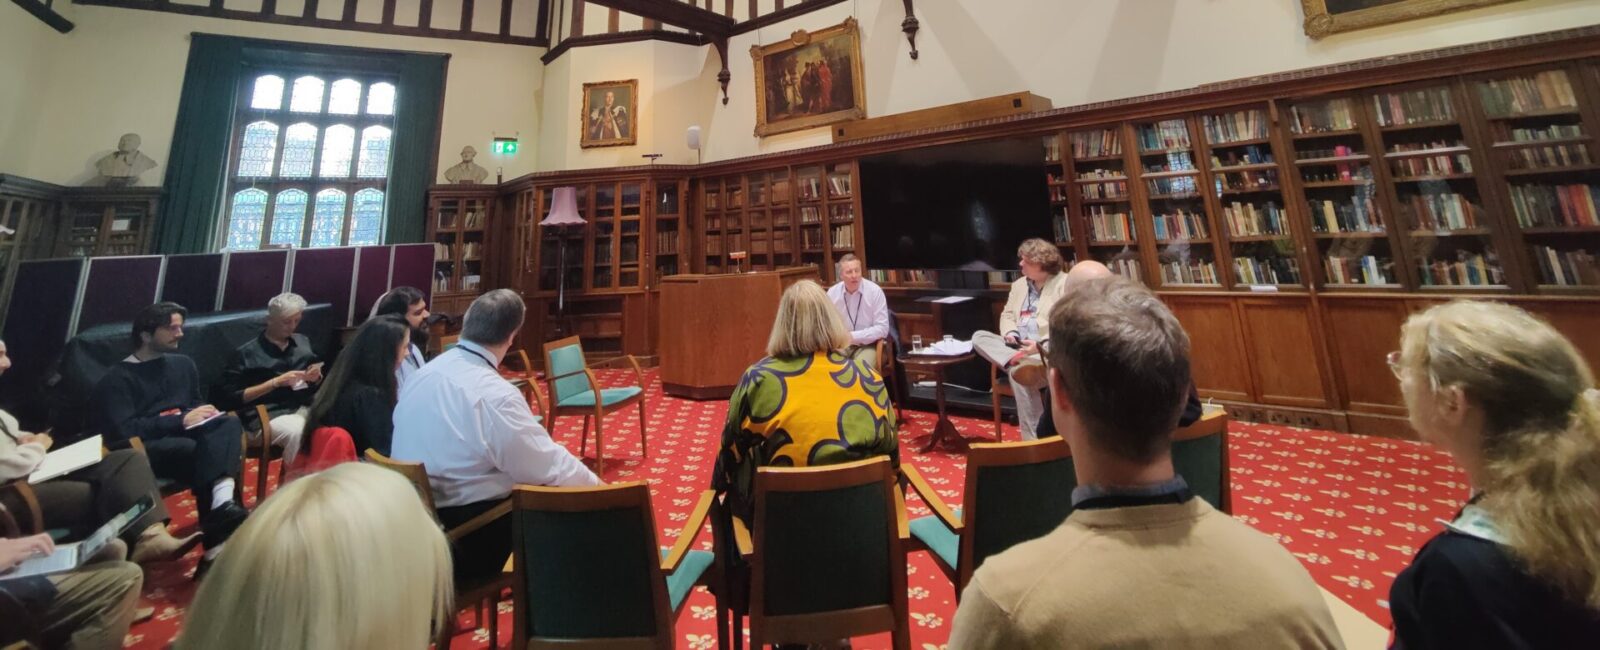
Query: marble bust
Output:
(123,167)
(467,172)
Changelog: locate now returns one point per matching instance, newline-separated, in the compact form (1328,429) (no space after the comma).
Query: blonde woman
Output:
(805,403)
(343,559)
(1515,405)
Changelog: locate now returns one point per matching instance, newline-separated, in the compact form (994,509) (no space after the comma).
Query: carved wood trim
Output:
(910,27)
(782,14)
(309,20)
(630,36)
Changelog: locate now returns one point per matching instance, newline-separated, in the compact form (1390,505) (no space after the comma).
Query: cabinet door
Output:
(1361,334)
(1217,356)
(1285,346)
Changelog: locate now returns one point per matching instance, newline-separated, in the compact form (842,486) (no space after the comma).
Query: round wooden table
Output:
(944,432)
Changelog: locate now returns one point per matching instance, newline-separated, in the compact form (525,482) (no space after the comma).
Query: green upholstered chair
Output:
(589,572)
(1014,492)
(1200,455)
(574,391)
(826,555)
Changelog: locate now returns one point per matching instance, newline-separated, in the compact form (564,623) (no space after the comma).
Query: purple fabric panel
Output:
(372,278)
(37,320)
(192,280)
(413,267)
(118,287)
(254,277)
(324,275)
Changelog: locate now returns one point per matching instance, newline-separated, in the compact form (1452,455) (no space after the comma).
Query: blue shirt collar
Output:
(1165,488)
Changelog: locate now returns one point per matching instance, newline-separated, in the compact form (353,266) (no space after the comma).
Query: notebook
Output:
(71,556)
(70,458)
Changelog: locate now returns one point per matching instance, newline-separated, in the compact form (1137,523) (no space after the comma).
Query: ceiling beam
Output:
(674,12)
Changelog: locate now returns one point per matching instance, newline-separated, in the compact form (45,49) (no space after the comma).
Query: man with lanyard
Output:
(865,309)
(1023,327)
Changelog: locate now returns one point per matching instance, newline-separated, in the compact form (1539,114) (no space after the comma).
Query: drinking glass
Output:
(916,342)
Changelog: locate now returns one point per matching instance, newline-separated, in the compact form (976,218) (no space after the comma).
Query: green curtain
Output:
(198,160)
(419,103)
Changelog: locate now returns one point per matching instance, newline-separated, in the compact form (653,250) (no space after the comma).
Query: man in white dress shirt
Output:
(476,436)
(864,308)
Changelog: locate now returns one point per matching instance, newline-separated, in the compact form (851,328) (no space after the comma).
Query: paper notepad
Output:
(70,458)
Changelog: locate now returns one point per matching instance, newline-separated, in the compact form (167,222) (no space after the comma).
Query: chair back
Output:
(828,560)
(564,365)
(414,472)
(447,342)
(1015,491)
(588,567)
(1200,456)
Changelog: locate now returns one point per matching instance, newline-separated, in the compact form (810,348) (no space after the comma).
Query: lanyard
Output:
(860,296)
(475,353)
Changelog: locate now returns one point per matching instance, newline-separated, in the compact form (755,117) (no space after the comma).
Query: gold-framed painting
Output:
(610,112)
(810,79)
(1324,17)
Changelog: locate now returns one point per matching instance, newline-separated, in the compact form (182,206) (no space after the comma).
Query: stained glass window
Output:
(258,149)
(299,150)
(345,98)
(268,93)
(307,97)
(374,153)
(380,99)
(327,224)
(288,218)
(366,227)
(338,144)
(244,221)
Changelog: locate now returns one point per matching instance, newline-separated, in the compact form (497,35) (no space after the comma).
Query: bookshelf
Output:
(1098,211)
(1338,181)
(458,218)
(107,221)
(780,218)
(669,234)
(1247,180)
(1178,226)
(1544,168)
(1062,176)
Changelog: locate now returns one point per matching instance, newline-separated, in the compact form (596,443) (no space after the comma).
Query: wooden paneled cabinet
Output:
(97,221)
(459,220)
(780,218)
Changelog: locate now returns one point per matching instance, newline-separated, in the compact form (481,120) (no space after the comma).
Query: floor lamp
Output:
(563,214)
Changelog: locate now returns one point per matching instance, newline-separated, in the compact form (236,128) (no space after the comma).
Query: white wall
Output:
(122,71)
(27,49)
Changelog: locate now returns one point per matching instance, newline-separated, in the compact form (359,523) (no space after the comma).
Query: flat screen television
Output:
(955,207)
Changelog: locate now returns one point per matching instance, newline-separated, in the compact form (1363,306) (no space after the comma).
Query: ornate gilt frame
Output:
(633,115)
(1320,23)
(801,38)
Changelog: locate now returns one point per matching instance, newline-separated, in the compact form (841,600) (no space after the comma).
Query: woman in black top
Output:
(1514,404)
(359,393)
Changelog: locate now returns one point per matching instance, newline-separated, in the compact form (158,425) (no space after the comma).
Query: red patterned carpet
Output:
(1353,509)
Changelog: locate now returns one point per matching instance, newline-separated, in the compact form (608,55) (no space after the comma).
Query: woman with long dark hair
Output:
(359,393)
(410,304)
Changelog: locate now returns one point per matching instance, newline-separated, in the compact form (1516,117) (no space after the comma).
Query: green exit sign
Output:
(505,146)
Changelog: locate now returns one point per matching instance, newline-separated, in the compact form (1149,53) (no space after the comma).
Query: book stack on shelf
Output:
(1244,168)
(1449,236)
(1061,228)
(1340,193)
(1101,203)
(902,277)
(667,223)
(1178,209)
(459,221)
(667,243)
(1552,183)
(844,238)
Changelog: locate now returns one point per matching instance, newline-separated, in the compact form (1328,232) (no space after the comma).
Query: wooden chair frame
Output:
(597,410)
(826,626)
(536,397)
(981,455)
(1000,385)
(633,495)
(886,367)
(264,452)
(477,594)
(17,498)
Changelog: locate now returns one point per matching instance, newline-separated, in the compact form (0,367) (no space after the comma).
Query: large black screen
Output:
(959,206)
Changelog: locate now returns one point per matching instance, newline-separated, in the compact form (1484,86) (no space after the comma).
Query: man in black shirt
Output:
(154,395)
(276,369)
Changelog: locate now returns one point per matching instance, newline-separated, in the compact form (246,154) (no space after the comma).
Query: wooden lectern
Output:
(714,326)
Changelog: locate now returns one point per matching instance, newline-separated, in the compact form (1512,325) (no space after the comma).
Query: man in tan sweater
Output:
(1140,562)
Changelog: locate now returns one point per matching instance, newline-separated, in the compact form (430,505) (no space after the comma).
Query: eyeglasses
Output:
(1394,363)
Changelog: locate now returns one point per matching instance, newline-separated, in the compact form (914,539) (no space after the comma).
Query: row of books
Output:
(844,237)
(1550,155)
(1106,226)
(667,242)
(895,276)
(1058,194)
(1175,161)
(1430,145)
(1248,180)
(1566,268)
(1336,172)
(443,252)
(1337,151)
(810,214)
(1127,267)
(1367,269)
(1556,205)
(1251,220)
(1356,215)
(1161,136)
(1441,165)
(1440,211)
(713,245)
(1269,270)
(1096,144)
(1235,126)
(1106,190)
(1414,107)
(1175,186)
(1061,226)
(1052,150)
(838,187)
(442,282)
(1247,155)
(1094,174)
(1193,271)
(1504,132)
(1545,90)
(1182,224)
(1332,115)
(1467,270)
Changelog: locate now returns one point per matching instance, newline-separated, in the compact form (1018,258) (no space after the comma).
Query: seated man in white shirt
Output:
(477,438)
(864,308)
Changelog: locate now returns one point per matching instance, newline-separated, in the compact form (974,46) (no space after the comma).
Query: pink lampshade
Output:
(563,208)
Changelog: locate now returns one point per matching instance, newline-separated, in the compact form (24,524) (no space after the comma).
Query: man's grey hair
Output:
(494,317)
(285,304)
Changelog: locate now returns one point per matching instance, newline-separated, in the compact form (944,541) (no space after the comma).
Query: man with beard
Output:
(410,304)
